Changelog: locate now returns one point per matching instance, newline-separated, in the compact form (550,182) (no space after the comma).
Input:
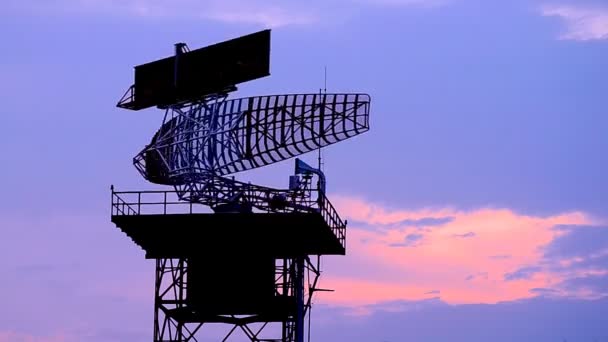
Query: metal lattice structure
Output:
(174,321)
(204,139)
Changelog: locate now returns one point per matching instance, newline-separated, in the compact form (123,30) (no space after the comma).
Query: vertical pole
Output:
(248,129)
(299,289)
(173,97)
(157,280)
(285,294)
(213,111)
(179,49)
(180,296)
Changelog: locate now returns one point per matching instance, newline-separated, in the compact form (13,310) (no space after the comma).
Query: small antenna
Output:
(320,158)
(325,81)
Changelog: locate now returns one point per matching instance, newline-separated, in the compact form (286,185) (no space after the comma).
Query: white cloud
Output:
(582,24)
(270,17)
(267,13)
(419,3)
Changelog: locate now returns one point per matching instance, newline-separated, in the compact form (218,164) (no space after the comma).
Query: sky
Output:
(476,202)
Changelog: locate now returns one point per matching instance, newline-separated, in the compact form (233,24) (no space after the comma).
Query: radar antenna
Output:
(250,260)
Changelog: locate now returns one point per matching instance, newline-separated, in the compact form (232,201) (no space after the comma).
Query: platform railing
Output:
(333,220)
(155,202)
(126,203)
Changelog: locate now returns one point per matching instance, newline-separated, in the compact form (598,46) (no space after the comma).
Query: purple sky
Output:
(477,203)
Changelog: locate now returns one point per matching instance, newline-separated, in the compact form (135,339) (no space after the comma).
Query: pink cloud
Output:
(440,261)
(582,23)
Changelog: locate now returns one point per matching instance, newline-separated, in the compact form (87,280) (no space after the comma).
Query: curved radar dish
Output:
(201,141)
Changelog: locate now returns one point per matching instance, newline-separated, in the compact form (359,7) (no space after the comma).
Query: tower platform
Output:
(163,232)
(274,234)
(234,268)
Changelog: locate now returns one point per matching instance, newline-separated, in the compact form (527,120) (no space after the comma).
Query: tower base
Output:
(179,318)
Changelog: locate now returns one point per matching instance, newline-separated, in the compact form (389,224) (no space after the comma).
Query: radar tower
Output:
(227,251)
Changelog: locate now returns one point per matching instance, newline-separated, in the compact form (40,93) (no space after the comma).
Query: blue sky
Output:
(487,143)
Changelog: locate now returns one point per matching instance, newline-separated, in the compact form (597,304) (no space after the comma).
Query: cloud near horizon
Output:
(583,23)
(390,259)
(435,321)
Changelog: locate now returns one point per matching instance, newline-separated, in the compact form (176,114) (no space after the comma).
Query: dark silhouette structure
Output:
(227,251)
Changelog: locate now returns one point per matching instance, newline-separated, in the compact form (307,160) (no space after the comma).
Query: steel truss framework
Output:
(293,278)
(216,136)
(201,142)
(198,145)
(219,190)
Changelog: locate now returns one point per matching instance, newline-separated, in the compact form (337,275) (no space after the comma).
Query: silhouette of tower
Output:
(227,251)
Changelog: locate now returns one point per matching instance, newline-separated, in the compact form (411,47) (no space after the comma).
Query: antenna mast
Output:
(320,158)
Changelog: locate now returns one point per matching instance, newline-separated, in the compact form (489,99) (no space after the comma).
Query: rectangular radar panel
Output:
(201,72)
